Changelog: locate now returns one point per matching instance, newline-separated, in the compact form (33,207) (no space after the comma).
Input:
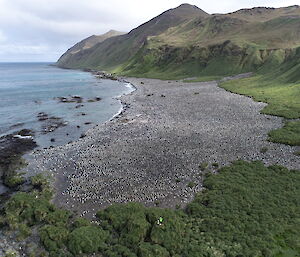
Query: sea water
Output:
(28,90)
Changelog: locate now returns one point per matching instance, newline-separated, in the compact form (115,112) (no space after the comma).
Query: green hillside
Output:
(217,45)
(186,41)
(88,43)
(117,50)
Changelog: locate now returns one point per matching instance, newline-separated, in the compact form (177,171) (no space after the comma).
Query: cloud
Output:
(34,26)
(2,37)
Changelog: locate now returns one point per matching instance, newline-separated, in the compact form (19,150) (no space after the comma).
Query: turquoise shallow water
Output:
(27,89)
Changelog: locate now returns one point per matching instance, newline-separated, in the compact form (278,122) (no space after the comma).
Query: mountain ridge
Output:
(186,41)
(126,45)
(90,42)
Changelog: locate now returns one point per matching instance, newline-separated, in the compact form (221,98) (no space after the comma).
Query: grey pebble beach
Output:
(151,152)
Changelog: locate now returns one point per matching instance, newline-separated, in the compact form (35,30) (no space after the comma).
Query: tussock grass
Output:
(289,134)
(247,209)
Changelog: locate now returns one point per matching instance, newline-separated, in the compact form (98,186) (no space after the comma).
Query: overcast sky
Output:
(42,30)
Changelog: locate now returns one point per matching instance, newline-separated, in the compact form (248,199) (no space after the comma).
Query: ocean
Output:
(59,105)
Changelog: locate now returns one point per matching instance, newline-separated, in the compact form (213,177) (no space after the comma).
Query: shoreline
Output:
(15,140)
(134,156)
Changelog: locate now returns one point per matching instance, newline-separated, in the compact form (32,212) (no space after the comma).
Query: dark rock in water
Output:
(72,99)
(78,126)
(50,123)
(54,118)
(79,106)
(42,116)
(82,135)
(87,123)
(104,75)
(11,150)
(25,132)
(62,99)
(96,99)
(52,139)
(51,126)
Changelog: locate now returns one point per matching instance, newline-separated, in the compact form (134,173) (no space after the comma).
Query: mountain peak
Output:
(189,8)
(185,5)
(186,11)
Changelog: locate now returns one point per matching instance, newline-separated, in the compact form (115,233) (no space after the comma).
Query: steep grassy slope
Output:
(115,51)
(186,41)
(219,45)
(279,87)
(88,43)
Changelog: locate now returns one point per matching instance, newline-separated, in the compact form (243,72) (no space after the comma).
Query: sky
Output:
(42,30)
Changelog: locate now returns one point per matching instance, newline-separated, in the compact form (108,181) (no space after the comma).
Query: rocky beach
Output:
(155,150)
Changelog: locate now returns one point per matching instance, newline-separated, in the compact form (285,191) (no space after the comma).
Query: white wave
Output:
(23,137)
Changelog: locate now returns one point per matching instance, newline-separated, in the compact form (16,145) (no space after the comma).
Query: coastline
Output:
(16,146)
(135,155)
(119,98)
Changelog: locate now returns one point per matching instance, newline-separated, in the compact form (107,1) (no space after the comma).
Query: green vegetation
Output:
(14,180)
(215,165)
(247,209)
(203,166)
(191,184)
(264,149)
(187,42)
(53,238)
(10,253)
(112,53)
(282,97)
(9,163)
(87,239)
(39,181)
(289,134)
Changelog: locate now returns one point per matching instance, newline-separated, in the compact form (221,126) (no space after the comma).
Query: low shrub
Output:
(14,181)
(87,239)
(53,238)
(152,250)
